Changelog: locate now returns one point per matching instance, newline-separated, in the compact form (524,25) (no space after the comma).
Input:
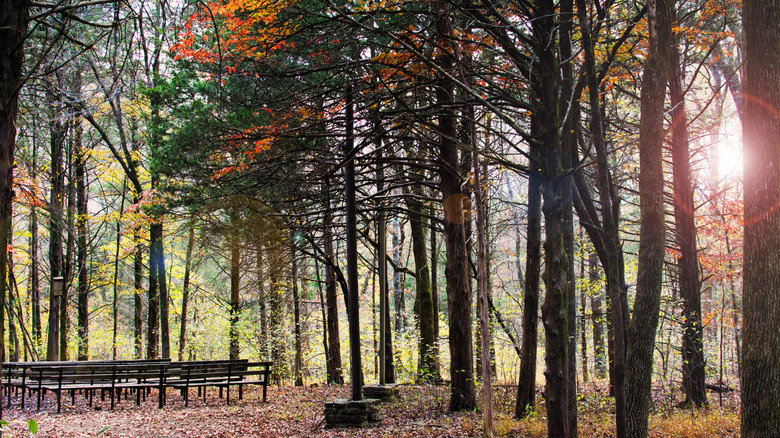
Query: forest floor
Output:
(298,412)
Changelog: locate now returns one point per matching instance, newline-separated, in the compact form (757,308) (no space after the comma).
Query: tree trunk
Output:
(81,240)
(463,391)
(153,312)
(298,365)
(423,304)
(70,246)
(482,288)
(185,290)
(334,367)
(693,371)
(162,283)
(583,326)
(386,368)
(11,301)
(568,147)
(526,389)
(235,284)
(761,305)
(35,278)
(435,289)
(398,287)
(556,192)
(58,131)
(115,301)
(13,28)
(350,206)
(642,330)
(138,276)
(597,316)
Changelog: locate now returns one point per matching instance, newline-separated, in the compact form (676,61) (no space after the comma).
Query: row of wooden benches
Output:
(131,376)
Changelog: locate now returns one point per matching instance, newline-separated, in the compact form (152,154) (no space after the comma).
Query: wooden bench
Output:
(17,375)
(111,378)
(141,376)
(222,375)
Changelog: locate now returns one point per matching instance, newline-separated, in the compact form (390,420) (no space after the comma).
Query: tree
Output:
(644,322)
(57,303)
(463,392)
(685,230)
(761,129)
(526,389)
(13,29)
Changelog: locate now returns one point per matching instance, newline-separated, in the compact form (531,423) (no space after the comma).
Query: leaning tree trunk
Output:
(642,330)
(761,128)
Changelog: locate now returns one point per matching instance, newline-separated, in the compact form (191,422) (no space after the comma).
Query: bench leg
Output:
(240,392)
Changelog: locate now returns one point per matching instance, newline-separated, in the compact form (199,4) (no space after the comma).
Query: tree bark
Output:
(185,290)
(115,300)
(526,389)
(423,305)
(693,371)
(138,276)
(399,306)
(56,215)
(482,288)
(298,365)
(153,312)
(235,284)
(81,243)
(761,305)
(350,205)
(162,282)
(13,28)
(386,368)
(35,277)
(556,193)
(335,373)
(597,316)
(642,330)
(463,391)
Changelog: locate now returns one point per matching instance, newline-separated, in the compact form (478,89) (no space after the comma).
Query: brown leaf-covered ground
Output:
(298,412)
